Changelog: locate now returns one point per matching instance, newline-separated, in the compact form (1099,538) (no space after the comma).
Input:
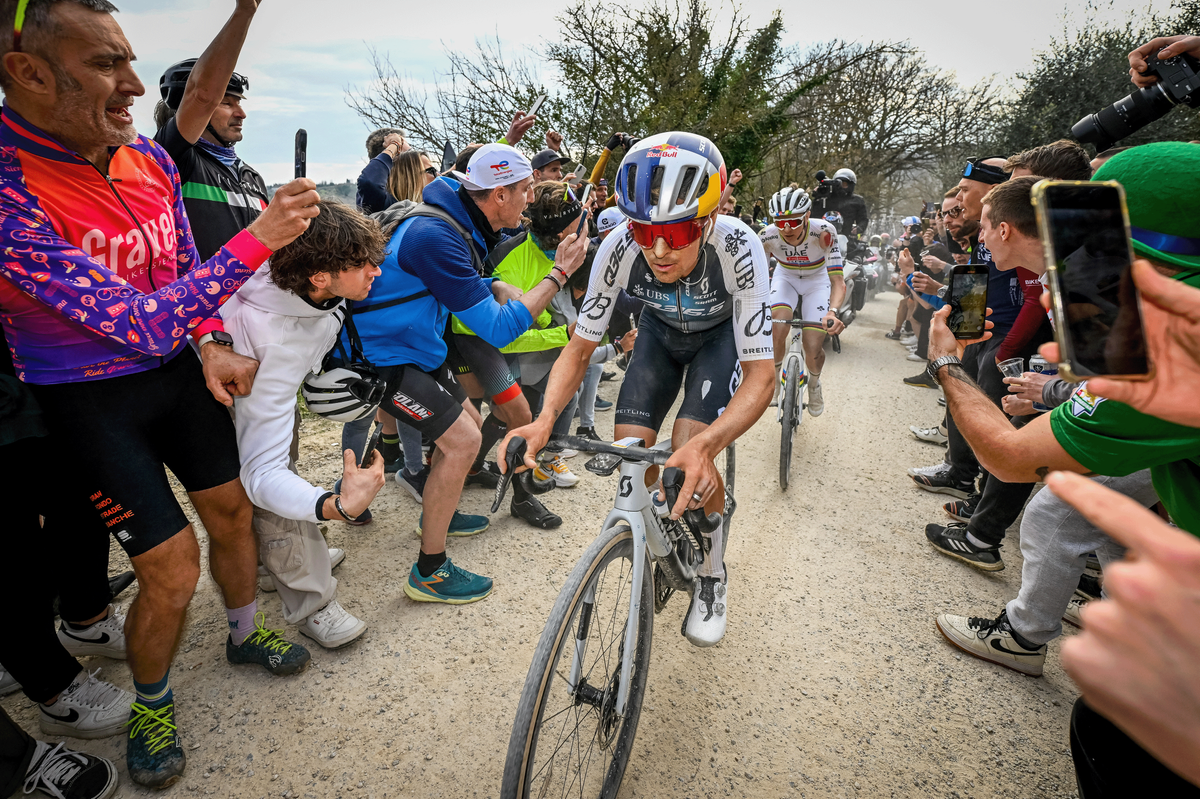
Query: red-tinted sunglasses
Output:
(795,221)
(677,234)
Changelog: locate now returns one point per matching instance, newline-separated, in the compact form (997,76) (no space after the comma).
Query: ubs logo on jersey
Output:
(734,242)
(594,307)
(743,271)
(760,322)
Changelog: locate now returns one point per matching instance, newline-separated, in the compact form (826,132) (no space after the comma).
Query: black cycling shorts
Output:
(472,355)
(427,401)
(656,371)
(118,433)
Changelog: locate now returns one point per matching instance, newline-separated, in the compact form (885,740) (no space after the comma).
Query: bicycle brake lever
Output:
(514,456)
(696,519)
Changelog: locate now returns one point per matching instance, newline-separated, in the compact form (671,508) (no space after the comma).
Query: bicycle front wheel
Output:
(788,419)
(569,741)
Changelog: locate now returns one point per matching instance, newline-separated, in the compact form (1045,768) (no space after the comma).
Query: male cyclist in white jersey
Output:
(807,281)
(706,325)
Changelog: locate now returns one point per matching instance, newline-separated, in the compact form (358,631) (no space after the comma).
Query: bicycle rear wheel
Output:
(571,742)
(788,419)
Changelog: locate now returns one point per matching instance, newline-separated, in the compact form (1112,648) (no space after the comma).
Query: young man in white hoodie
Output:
(288,316)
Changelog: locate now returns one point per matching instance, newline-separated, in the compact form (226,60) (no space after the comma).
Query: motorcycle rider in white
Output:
(807,281)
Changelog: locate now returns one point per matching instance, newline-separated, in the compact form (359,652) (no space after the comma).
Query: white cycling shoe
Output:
(816,402)
(704,624)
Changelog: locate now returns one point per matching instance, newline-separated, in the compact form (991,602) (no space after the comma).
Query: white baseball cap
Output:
(494,165)
(609,219)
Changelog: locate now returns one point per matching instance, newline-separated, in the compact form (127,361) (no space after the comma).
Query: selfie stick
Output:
(587,138)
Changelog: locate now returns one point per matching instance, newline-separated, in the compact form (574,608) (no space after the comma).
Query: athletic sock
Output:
(428,564)
(389,447)
(1022,640)
(977,543)
(714,561)
(241,622)
(492,431)
(155,694)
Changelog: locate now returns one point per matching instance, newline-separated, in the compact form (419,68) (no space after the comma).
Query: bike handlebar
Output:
(658,457)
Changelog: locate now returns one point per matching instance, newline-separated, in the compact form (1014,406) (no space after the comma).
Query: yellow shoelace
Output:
(271,640)
(156,724)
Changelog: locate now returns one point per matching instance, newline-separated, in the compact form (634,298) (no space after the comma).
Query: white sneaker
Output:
(912,356)
(933,435)
(704,624)
(550,454)
(106,637)
(266,582)
(332,626)
(1071,614)
(909,341)
(88,708)
(8,683)
(929,471)
(557,469)
(816,402)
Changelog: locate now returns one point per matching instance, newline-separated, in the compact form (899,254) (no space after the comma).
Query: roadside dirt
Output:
(831,682)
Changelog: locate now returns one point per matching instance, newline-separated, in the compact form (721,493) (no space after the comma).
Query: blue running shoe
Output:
(448,584)
(153,755)
(268,649)
(603,404)
(463,524)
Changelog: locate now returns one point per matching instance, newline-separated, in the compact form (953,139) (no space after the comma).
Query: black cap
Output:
(547,157)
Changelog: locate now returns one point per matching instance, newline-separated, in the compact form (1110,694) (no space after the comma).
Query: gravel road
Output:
(832,680)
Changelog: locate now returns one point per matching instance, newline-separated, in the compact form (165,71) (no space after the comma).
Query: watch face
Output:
(221,337)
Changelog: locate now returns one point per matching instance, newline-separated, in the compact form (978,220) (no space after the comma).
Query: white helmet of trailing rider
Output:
(343,394)
(846,174)
(790,202)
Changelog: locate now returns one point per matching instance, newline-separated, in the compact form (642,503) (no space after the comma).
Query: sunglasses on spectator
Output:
(433,173)
(677,235)
(953,212)
(984,173)
(792,222)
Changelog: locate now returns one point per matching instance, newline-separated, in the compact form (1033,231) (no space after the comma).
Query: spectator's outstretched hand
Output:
(1137,660)
(1166,47)
(1171,317)
(942,342)
(554,140)
(519,127)
(735,177)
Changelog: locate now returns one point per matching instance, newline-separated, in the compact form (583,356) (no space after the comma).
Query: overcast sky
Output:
(302,54)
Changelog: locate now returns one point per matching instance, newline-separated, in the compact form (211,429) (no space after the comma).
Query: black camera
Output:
(1177,83)
(824,186)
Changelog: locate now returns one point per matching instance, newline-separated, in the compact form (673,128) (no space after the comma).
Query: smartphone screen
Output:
(537,105)
(1097,316)
(968,300)
(372,444)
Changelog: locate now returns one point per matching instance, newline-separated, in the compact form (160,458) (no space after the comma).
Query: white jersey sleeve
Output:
(747,279)
(610,274)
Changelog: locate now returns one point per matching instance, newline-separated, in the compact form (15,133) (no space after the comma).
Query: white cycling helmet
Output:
(846,174)
(670,177)
(343,394)
(790,202)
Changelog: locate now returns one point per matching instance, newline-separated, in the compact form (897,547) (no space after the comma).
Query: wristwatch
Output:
(934,366)
(941,293)
(216,337)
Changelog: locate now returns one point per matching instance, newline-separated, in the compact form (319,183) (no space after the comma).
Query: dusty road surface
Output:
(831,682)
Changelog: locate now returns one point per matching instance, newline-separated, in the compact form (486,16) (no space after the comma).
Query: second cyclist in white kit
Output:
(807,281)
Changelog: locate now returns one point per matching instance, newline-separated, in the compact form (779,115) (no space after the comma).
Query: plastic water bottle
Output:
(1040,365)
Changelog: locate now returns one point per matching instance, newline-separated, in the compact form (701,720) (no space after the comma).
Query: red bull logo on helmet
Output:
(663,151)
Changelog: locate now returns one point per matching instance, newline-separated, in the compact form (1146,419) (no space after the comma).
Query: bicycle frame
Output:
(795,347)
(634,507)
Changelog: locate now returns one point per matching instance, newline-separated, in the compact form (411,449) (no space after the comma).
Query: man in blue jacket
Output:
(432,269)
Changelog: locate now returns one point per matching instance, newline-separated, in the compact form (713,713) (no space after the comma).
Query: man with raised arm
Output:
(99,290)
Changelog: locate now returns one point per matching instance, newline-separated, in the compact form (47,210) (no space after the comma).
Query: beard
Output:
(84,122)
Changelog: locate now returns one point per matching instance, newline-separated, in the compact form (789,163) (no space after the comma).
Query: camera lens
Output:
(1123,117)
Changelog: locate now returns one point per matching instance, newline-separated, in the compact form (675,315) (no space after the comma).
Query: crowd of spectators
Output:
(152,282)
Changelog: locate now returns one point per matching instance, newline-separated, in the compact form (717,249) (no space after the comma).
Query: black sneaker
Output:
(267,648)
(921,380)
(56,771)
(606,376)
(944,482)
(534,512)
(894,335)
(588,432)
(488,476)
(960,509)
(952,540)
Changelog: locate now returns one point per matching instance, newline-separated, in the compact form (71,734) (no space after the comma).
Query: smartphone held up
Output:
(967,299)
(1097,315)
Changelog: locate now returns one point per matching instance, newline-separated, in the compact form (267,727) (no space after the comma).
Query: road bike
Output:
(791,399)
(579,708)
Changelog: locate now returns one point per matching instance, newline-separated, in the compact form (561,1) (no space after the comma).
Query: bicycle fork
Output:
(634,508)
